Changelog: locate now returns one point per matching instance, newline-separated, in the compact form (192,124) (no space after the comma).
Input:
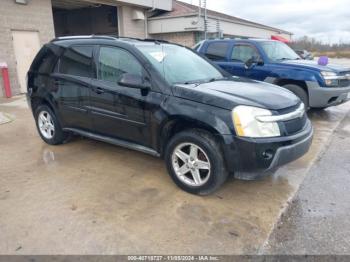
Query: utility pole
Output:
(205,20)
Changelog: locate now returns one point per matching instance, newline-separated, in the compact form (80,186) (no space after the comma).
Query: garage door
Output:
(26,45)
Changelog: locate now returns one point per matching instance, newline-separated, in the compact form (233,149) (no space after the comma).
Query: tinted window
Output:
(47,62)
(77,61)
(243,53)
(114,62)
(44,61)
(217,51)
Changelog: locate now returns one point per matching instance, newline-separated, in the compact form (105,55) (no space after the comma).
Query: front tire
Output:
(195,162)
(48,126)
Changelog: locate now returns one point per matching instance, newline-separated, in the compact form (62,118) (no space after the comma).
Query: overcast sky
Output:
(325,20)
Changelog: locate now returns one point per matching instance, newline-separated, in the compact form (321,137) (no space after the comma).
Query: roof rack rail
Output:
(84,37)
(111,37)
(140,39)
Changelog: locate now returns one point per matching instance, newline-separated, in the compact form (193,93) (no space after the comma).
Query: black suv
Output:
(165,100)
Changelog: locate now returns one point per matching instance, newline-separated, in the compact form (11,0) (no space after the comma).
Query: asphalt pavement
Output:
(317,221)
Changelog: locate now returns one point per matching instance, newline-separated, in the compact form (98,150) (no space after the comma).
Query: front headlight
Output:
(330,78)
(246,123)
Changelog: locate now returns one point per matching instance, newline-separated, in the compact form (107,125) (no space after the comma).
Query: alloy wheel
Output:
(191,164)
(46,125)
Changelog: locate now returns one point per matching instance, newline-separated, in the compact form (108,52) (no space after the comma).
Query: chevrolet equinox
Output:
(165,100)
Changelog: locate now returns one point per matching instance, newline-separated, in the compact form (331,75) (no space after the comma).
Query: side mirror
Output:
(134,81)
(254,60)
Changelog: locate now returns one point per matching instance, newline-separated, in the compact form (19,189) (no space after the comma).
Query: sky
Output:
(325,20)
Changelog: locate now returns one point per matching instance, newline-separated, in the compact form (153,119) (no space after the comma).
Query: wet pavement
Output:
(87,197)
(317,221)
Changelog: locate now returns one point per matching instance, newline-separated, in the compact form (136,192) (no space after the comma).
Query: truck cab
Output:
(318,86)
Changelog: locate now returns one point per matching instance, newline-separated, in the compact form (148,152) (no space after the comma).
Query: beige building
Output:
(185,24)
(25,25)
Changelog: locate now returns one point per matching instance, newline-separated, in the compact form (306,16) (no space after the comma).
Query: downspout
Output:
(146,24)
(146,17)
(199,11)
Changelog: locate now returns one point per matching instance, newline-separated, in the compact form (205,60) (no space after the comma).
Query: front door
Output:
(118,111)
(26,45)
(241,53)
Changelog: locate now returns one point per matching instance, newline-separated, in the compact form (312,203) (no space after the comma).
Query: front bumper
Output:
(250,158)
(320,97)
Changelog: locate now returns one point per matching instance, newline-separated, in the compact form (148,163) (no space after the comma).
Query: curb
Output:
(322,150)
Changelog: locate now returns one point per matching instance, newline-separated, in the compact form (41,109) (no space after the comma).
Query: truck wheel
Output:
(299,92)
(48,126)
(195,162)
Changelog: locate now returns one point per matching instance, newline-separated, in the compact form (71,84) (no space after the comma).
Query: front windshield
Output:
(179,65)
(278,51)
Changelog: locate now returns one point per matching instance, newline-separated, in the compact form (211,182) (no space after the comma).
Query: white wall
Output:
(172,25)
(159,4)
(185,24)
(249,31)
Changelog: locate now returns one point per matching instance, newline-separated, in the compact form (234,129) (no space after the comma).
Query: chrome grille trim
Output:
(298,113)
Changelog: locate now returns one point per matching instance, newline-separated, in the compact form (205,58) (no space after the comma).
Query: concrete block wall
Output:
(182,38)
(35,16)
(129,27)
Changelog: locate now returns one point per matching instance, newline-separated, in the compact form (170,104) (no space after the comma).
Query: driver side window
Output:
(114,62)
(243,53)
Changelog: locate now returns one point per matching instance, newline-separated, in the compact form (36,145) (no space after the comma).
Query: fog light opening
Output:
(333,99)
(267,154)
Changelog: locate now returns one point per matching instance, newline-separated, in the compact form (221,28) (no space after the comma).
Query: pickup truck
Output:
(318,86)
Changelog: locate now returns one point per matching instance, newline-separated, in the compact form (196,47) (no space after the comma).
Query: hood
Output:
(309,64)
(230,93)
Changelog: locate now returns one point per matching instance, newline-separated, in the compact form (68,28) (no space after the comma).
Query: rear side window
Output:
(77,61)
(114,62)
(217,51)
(45,61)
(243,53)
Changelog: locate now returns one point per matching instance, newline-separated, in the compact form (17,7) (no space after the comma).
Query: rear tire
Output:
(48,126)
(195,162)
(299,92)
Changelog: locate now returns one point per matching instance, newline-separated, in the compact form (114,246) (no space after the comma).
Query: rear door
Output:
(118,111)
(218,51)
(72,81)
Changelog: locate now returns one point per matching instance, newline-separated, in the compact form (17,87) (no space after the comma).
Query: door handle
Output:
(57,82)
(99,90)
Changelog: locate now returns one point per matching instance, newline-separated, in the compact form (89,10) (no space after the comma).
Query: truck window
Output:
(243,52)
(77,61)
(217,51)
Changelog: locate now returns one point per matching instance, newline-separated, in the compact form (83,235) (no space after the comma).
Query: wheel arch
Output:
(38,101)
(285,81)
(178,124)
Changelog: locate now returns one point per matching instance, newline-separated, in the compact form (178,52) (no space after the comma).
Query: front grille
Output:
(344,82)
(294,126)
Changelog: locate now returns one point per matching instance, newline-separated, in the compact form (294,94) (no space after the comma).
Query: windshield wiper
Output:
(199,82)
(283,59)
(217,79)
